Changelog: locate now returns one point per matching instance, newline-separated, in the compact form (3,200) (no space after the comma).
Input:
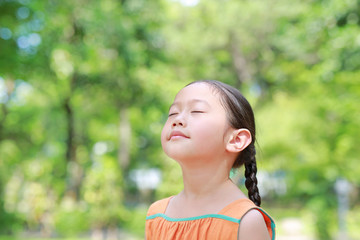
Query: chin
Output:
(185,156)
(177,155)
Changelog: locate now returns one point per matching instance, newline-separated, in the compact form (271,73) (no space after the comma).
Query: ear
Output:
(239,140)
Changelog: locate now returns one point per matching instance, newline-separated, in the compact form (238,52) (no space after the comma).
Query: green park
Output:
(85,89)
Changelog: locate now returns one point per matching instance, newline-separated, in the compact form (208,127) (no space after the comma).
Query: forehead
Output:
(201,91)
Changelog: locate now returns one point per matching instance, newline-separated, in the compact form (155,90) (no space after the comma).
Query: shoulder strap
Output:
(238,208)
(158,206)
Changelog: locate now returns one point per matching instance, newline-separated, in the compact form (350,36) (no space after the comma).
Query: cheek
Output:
(210,130)
(164,133)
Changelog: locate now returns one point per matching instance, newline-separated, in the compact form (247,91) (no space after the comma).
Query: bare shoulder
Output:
(253,227)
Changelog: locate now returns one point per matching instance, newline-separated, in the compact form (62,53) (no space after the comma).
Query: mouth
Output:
(177,135)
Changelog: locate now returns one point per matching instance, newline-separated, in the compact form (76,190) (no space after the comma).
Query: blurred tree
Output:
(85,88)
(297,65)
(83,75)
(14,19)
(315,84)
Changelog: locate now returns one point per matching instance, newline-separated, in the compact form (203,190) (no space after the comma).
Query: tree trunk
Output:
(238,60)
(73,169)
(2,120)
(70,142)
(124,139)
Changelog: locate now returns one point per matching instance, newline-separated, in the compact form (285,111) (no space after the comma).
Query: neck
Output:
(203,182)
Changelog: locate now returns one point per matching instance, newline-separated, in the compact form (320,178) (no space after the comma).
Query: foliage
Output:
(85,88)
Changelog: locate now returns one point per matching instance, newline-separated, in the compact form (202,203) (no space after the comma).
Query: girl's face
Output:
(197,127)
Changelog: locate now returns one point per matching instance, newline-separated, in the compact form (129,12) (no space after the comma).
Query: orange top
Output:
(224,225)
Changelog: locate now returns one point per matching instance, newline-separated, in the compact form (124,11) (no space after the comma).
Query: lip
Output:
(177,134)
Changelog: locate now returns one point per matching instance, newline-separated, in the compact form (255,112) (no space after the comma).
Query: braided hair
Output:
(240,115)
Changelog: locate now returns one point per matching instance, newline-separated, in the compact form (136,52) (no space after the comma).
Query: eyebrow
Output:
(193,101)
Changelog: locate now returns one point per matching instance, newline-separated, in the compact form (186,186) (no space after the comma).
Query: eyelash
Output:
(172,114)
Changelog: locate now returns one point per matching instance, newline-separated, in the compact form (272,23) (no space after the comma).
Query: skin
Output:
(198,136)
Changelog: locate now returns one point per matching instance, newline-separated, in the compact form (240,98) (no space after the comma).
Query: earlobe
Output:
(239,140)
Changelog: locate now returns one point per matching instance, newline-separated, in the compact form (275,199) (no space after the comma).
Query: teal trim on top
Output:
(220,216)
(224,217)
(273,229)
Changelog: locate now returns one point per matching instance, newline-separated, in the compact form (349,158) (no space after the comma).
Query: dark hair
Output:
(240,115)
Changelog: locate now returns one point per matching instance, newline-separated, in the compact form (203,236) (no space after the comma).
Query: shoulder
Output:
(158,206)
(253,226)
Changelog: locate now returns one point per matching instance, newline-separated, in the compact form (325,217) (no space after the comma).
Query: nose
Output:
(179,121)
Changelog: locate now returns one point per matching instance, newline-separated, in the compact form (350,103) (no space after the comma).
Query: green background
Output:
(85,88)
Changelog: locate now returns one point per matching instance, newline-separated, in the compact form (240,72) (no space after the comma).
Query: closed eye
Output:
(172,114)
(197,112)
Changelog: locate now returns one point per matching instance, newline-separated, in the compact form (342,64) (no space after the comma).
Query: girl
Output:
(209,131)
